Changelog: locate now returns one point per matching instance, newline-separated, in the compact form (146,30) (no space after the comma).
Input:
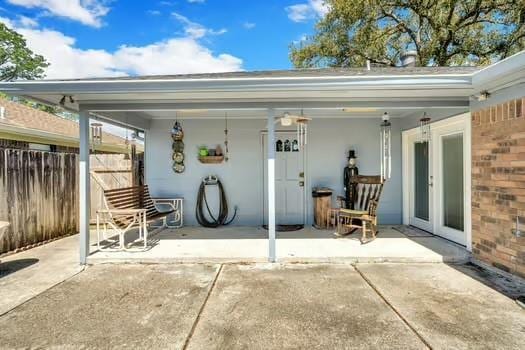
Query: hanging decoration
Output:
(302,129)
(177,134)
(126,155)
(386,147)
(424,128)
(96,134)
(226,147)
(301,122)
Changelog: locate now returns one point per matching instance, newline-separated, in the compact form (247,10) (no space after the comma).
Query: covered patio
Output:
(394,244)
(345,107)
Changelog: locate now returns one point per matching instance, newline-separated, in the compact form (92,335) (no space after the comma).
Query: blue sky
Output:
(86,38)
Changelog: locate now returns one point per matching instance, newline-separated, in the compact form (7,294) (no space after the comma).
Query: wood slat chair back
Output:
(368,191)
(136,197)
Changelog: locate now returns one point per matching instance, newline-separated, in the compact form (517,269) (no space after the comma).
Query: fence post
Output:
(84,193)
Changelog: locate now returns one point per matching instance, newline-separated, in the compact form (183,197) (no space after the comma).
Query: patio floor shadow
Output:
(250,244)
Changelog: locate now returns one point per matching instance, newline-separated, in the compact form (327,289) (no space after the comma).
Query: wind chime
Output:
(302,130)
(301,122)
(126,155)
(96,135)
(177,134)
(386,147)
(424,129)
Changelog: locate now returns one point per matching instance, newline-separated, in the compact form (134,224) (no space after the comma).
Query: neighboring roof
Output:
(46,126)
(305,73)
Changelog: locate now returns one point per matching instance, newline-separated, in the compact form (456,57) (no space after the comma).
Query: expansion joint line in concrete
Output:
(197,319)
(405,321)
(82,268)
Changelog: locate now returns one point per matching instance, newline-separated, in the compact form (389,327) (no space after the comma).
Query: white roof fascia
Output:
(415,82)
(502,74)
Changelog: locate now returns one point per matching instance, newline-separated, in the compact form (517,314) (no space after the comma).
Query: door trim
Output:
(264,134)
(464,118)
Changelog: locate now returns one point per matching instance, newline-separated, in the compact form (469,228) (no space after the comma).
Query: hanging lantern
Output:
(424,129)
(96,133)
(386,147)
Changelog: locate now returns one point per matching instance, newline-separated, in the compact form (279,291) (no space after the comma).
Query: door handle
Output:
(301,183)
(431,182)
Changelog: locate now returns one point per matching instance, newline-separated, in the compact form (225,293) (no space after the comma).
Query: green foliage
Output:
(16,60)
(442,32)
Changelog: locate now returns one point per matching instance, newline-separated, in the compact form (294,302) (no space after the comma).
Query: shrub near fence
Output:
(38,196)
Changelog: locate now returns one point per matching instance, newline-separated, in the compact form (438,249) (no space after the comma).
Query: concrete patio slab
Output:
(250,244)
(109,307)
(448,308)
(298,307)
(26,274)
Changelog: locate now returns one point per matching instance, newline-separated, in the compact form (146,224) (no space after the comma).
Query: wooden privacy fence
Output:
(108,171)
(38,196)
(39,192)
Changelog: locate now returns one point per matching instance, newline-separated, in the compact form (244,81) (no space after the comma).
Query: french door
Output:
(437,174)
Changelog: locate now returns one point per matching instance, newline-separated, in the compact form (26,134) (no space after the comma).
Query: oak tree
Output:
(442,32)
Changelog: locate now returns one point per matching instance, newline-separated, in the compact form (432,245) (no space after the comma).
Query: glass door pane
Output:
(452,151)
(421,188)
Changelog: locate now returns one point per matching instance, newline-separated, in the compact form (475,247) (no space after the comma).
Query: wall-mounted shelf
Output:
(211,159)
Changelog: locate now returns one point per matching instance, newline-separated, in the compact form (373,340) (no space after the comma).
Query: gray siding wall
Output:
(328,143)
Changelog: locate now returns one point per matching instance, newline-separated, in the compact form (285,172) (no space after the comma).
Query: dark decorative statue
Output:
(350,170)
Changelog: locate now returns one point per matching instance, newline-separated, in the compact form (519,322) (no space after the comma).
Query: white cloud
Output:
(27,22)
(248,25)
(306,11)
(66,60)
(196,30)
(172,56)
(154,12)
(88,12)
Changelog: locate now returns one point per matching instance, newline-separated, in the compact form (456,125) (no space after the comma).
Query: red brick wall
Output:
(498,185)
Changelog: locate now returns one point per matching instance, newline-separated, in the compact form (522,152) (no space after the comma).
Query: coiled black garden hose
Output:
(222,218)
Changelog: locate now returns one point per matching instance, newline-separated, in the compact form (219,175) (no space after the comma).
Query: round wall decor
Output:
(177,134)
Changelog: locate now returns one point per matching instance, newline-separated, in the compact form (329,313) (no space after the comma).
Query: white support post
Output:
(271,186)
(84,192)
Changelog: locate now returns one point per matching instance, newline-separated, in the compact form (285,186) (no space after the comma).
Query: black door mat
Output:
(286,228)
(412,231)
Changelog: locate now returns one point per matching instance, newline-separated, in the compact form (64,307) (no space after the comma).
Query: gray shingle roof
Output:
(306,73)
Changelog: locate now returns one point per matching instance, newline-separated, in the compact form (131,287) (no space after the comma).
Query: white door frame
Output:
(464,119)
(304,151)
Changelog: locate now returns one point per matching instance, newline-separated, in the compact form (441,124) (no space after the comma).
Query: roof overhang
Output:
(112,96)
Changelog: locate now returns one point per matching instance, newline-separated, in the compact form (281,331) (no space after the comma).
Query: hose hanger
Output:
(210,180)
(222,218)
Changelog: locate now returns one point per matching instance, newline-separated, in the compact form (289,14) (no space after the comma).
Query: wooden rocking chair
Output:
(364,215)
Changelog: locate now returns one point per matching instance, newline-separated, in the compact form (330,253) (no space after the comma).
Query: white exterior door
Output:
(450,150)
(437,176)
(289,180)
